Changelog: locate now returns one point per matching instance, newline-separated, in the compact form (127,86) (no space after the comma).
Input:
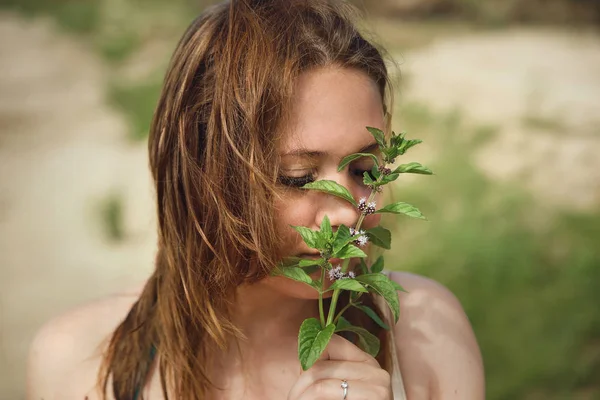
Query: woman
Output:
(260,98)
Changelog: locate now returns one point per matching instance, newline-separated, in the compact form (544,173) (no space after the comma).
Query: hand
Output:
(343,360)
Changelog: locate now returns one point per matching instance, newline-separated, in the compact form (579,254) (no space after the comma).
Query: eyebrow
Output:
(302,152)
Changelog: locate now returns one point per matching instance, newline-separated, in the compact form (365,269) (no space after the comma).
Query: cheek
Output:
(293,210)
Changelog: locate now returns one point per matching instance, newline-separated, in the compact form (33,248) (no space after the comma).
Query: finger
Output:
(349,370)
(331,389)
(344,350)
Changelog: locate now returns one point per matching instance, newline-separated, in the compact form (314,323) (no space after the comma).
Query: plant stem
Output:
(334,299)
(350,303)
(321,298)
(362,216)
(336,292)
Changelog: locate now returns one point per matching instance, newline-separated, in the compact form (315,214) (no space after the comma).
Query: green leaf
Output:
(326,231)
(349,251)
(348,159)
(342,323)
(375,171)
(413,168)
(382,285)
(402,208)
(303,263)
(389,178)
(390,154)
(373,315)
(380,237)
(397,286)
(310,237)
(341,238)
(366,340)
(348,284)
(363,267)
(367,180)
(311,269)
(290,262)
(312,341)
(407,144)
(400,144)
(377,265)
(295,273)
(378,135)
(331,187)
(397,139)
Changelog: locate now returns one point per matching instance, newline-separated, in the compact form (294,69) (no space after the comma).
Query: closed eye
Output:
(299,181)
(295,181)
(361,172)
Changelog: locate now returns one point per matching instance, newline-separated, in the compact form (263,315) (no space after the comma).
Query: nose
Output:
(338,210)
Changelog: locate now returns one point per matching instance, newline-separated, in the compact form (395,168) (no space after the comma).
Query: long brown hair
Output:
(213,148)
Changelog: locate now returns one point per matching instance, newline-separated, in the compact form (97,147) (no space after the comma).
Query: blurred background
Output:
(505,94)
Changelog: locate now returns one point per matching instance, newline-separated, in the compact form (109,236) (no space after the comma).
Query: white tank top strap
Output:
(397,382)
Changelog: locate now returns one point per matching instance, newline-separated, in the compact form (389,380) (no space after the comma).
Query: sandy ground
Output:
(507,78)
(63,150)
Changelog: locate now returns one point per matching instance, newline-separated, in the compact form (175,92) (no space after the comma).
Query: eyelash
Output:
(300,181)
(294,181)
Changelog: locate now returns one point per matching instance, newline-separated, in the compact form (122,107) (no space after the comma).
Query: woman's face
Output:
(332,108)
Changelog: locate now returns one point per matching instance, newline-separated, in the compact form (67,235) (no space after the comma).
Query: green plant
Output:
(344,244)
(80,17)
(111,210)
(525,273)
(137,102)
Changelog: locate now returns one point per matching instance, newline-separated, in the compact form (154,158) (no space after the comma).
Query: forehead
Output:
(332,108)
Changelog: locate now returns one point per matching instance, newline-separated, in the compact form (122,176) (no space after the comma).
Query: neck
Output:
(269,319)
(263,312)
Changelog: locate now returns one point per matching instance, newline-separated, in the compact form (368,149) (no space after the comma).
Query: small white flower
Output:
(331,274)
(335,273)
(354,232)
(362,240)
(365,208)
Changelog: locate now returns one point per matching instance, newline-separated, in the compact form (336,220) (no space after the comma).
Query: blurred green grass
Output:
(117,30)
(490,13)
(81,17)
(137,101)
(527,275)
(111,209)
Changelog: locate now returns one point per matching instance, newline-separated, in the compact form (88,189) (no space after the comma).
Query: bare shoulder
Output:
(66,352)
(438,352)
